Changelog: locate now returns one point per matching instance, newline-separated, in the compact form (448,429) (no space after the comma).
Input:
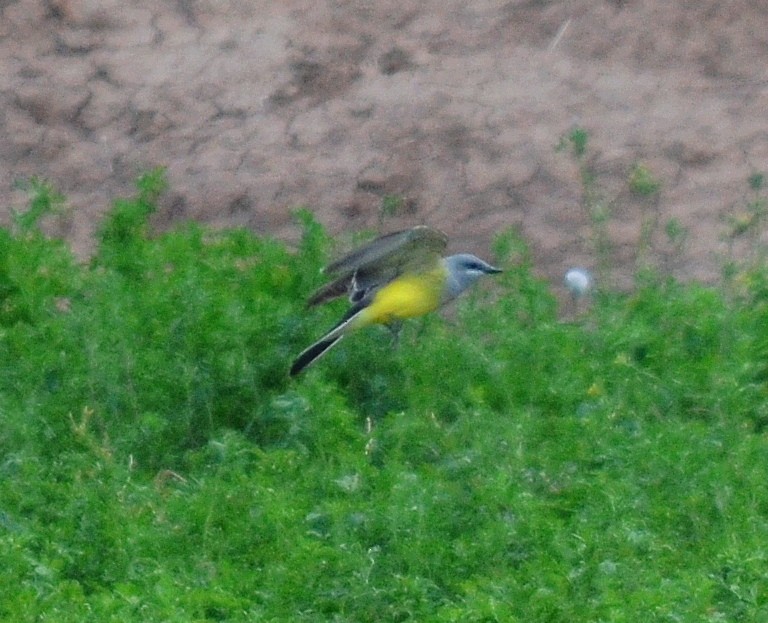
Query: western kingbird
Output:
(398,276)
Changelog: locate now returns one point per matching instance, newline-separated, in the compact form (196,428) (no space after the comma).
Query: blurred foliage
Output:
(498,464)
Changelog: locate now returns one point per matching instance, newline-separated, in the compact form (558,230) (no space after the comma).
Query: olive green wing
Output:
(380,261)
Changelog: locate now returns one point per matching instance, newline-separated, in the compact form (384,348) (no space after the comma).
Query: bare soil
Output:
(445,112)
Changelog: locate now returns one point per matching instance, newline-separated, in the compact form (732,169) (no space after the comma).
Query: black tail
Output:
(313,352)
(324,344)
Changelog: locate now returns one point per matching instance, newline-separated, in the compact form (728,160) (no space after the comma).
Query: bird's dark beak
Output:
(492,270)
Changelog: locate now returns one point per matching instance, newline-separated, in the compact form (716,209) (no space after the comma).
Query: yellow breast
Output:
(408,296)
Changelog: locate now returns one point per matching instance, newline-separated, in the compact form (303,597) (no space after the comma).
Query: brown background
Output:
(454,106)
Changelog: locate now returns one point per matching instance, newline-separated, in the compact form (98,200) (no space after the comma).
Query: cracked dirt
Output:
(448,112)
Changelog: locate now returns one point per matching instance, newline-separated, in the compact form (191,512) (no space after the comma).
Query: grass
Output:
(157,464)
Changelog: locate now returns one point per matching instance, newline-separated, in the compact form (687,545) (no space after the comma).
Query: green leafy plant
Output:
(747,251)
(496,465)
(43,199)
(594,200)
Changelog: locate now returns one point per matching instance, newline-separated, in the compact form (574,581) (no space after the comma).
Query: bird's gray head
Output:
(463,270)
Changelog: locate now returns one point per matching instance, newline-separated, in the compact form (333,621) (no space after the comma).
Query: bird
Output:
(395,277)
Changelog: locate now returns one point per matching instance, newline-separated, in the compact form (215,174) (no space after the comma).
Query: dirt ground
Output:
(445,112)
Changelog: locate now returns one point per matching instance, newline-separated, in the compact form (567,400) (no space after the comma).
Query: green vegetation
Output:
(156,463)
(597,206)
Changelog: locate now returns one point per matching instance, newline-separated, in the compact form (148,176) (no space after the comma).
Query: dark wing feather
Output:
(391,248)
(328,292)
(381,260)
